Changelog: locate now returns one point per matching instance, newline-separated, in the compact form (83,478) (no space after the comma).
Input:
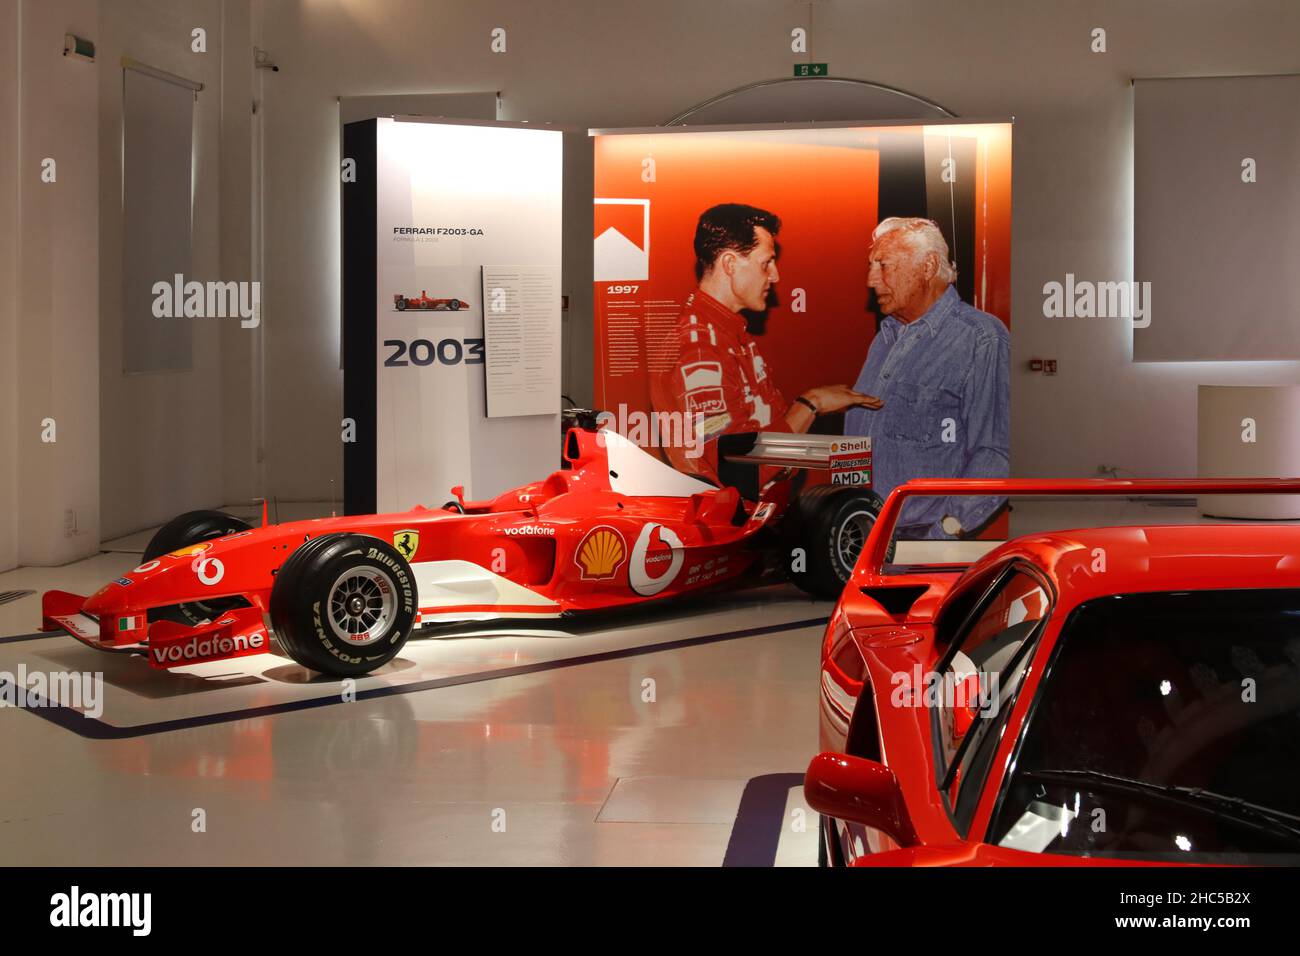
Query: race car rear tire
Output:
(193,527)
(401,305)
(828,525)
(343,604)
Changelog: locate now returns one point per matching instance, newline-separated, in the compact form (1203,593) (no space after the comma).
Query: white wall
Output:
(9,243)
(131,451)
(629,63)
(240,347)
(57,353)
(161,437)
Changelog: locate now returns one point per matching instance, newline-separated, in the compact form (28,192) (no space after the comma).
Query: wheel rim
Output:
(362,603)
(850,536)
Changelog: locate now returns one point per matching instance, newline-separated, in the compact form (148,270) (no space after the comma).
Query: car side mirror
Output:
(859,791)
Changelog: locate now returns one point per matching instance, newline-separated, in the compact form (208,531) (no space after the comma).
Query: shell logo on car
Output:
(190,551)
(600,553)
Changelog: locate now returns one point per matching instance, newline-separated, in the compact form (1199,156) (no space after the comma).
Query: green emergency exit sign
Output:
(811,69)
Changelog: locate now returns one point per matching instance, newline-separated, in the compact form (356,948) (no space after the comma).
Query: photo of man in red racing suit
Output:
(716,377)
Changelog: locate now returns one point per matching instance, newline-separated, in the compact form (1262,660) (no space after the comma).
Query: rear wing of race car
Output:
(741,454)
(872,560)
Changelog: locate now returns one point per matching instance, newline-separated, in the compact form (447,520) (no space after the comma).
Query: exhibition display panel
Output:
(451,240)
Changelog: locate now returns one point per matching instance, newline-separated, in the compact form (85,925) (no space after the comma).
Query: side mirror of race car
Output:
(859,791)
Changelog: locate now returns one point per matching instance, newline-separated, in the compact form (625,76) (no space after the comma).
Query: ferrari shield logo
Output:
(407,542)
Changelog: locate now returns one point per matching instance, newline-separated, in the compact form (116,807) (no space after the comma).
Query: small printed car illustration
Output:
(1114,695)
(423,303)
(342,595)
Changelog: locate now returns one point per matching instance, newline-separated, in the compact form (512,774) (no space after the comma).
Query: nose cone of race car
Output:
(185,574)
(112,595)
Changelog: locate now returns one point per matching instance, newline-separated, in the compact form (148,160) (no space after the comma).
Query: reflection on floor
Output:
(632,741)
(583,746)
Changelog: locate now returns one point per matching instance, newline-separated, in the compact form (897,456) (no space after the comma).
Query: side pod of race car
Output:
(1120,695)
(342,595)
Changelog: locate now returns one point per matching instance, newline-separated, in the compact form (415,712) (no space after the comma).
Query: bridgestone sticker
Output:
(850,462)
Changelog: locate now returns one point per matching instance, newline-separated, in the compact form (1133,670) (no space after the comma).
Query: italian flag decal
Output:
(133,623)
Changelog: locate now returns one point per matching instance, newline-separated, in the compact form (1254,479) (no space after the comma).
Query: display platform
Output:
(137,700)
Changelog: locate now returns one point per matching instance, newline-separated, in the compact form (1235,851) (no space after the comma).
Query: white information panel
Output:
(521,324)
(450,199)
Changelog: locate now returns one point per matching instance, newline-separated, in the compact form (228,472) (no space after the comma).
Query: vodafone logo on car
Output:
(657,556)
(210,571)
(208,648)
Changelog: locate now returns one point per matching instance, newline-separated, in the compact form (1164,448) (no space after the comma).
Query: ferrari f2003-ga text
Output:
(342,595)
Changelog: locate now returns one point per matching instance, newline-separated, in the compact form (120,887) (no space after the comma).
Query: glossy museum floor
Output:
(545,747)
(675,736)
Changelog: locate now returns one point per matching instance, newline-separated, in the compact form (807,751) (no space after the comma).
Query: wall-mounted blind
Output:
(1220,252)
(157,174)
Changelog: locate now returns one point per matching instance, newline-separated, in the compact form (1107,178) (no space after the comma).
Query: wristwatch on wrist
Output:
(950,525)
(803,401)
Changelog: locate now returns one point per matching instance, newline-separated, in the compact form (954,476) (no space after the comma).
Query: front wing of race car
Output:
(239,632)
(227,586)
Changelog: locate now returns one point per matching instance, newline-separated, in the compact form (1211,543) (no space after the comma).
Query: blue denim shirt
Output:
(951,363)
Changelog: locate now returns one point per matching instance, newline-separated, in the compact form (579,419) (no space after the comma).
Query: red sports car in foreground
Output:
(618,527)
(426,304)
(1109,695)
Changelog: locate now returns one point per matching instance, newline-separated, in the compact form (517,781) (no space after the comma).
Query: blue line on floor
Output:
(17,638)
(96,729)
(760,819)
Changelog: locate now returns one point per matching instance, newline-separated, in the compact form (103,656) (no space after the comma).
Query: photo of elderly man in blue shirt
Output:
(941,368)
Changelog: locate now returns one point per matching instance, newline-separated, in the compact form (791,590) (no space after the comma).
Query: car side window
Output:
(978,680)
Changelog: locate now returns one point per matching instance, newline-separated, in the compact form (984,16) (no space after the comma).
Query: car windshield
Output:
(1167,728)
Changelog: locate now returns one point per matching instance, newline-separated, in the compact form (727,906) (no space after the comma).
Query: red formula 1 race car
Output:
(1109,695)
(424,303)
(617,527)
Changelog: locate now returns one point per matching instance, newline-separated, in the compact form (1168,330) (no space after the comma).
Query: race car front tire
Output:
(343,604)
(828,525)
(193,527)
